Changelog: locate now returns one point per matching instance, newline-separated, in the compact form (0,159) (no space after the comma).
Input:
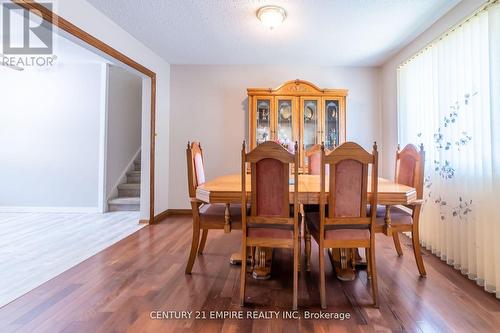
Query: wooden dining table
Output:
(227,189)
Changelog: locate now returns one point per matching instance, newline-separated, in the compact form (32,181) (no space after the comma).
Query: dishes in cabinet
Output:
(308,113)
(285,111)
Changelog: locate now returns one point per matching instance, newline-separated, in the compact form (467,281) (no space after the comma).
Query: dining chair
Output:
(270,222)
(205,216)
(392,220)
(344,220)
(313,155)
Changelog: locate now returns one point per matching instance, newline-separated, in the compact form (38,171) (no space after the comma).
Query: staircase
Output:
(128,193)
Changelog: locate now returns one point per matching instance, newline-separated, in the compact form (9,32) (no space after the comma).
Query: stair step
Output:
(137,165)
(129,190)
(134,178)
(125,201)
(124,204)
(129,186)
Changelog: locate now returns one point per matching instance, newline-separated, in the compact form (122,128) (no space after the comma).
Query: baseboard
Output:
(162,216)
(171,212)
(180,211)
(166,213)
(27,209)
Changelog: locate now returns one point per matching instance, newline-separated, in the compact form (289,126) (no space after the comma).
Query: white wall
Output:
(209,104)
(49,138)
(389,78)
(124,103)
(88,18)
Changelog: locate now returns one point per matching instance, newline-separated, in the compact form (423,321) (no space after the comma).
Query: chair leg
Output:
(397,244)
(299,246)
(322,288)
(368,269)
(307,241)
(416,250)
(243,274)
(203,241)
(373,273)
(194,247)
(296,258)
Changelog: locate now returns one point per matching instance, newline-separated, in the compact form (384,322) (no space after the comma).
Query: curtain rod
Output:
(481,9)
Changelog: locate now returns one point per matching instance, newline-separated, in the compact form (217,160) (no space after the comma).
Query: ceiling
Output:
(316,32)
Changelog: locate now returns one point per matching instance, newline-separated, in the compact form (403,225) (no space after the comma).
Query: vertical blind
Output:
(449,100)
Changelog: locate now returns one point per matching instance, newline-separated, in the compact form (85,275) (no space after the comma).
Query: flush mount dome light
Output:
(271,16)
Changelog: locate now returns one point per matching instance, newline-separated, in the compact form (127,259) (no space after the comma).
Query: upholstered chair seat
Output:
(284,232)
(281,231)
(399,216)
(337,232)
(214,213)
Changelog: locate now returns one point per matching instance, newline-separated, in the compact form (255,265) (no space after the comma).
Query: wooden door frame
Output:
(87,38)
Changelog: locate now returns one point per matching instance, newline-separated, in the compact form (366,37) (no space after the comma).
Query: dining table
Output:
(226,189)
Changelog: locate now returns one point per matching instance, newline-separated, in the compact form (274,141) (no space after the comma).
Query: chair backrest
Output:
(270,182)
(348,185)
(195,167)
(410,165)
(313,155)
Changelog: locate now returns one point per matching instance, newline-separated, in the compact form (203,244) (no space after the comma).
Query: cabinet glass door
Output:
(311,129)
(285,118)
(263,121)
(331,123)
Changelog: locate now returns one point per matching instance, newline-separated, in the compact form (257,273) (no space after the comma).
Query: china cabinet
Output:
(297,111)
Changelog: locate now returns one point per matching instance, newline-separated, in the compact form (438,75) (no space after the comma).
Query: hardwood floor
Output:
(117,289)
(35,247)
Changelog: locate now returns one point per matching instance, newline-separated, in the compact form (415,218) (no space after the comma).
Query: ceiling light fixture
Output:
(271,16)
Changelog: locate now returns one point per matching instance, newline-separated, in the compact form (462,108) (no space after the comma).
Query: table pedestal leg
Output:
(235,258)
(263,260)
(342,262)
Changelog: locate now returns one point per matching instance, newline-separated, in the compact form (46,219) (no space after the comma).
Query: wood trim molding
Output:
(297,88)
(87,38)
(179,211)
(162,216)
(168,213)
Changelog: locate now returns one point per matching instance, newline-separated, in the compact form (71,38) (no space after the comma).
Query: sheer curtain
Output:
(449,100)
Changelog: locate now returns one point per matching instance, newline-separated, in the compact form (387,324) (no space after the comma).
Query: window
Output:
(449,100)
